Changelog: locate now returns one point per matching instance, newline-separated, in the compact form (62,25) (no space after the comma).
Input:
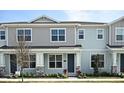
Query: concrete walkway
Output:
(71,79)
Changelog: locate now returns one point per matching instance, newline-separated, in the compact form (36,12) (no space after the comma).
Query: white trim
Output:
(98,34)
(116,34)
(62,24)
(24,30)
(39,59)
(55,60)
(7,36)
(94,53)
(67,50)
(75,35)
(58,35)
(83,34)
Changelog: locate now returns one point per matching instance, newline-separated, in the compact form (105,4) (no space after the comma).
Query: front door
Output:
(13,63)
(71,63)
(122,63)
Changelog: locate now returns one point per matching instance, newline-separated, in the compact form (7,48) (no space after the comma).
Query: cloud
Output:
(93,15)
(76,15)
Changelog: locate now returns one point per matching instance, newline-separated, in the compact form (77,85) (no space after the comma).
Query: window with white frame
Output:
(100,58)
(55,61)
(100,34)
(24,34)
(119,33)
(81,33)
(2,35)
(57,34)
(30,63)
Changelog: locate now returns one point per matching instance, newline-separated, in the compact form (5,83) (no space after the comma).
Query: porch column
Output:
(78,62)
(2,61)
(2,64)
(39,60)
(39,64)
(114,63)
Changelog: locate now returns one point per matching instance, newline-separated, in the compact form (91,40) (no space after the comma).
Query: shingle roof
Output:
(115,46)
(63,22)
(40,47)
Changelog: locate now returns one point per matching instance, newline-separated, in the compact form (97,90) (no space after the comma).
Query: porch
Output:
(117,54)
(49,62)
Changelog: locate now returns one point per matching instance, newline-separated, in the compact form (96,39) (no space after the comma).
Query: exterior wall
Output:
(90,41)
(49,70)
(86,61)
(7,64)
(41,36)
(90,45)
(112,32)
(29,70)
(60,70)
(3,42)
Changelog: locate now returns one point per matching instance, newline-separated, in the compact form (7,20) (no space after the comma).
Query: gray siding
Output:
(112,33)
(41,36)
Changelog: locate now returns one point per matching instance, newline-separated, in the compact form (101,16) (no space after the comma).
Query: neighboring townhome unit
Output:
(67,45)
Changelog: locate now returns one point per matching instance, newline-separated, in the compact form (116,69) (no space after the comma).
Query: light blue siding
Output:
(90,41)
(86,61)
(90,45)
(48,70)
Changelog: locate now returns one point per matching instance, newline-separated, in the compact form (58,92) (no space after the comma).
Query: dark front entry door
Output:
(13,63)
(122,63)
(71,63)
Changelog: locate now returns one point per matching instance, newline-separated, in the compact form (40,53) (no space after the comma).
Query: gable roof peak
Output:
(43,18)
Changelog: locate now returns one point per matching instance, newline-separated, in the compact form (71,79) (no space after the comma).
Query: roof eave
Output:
(116,20)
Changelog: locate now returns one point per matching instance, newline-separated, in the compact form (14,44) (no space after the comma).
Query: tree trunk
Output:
(22,74)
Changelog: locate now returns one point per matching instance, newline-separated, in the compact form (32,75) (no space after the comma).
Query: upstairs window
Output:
(2,35)
(58,34)
(100,34)
(24,34)
(119,33)
(81,34)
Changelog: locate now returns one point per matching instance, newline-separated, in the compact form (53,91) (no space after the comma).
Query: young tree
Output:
(22,54)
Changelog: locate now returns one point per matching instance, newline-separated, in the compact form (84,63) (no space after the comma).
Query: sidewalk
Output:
(68,80)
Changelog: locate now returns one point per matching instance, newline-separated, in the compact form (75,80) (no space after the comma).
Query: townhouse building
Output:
(70,45)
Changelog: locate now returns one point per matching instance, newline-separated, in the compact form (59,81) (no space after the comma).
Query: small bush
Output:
(122,75)
(82,75)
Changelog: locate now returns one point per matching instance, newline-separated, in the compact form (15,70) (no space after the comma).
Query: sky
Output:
(61,15)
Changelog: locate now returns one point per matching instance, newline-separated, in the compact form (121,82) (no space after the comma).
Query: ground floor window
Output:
(100,58)
(55,61)
(31,63)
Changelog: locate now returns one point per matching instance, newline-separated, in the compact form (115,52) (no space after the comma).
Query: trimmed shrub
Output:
(105,74)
